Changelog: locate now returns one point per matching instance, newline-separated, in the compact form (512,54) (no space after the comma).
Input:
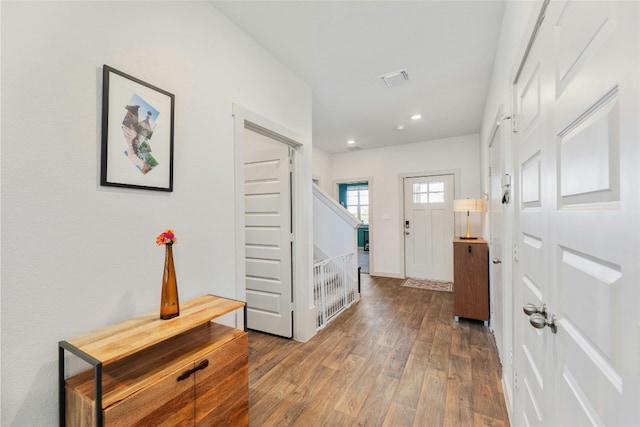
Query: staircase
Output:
(335,268)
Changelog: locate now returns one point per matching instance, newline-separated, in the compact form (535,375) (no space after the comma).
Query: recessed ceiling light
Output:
(416,117)
(400,127)
(351,142)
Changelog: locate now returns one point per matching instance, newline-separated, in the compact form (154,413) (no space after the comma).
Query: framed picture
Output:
(137,133)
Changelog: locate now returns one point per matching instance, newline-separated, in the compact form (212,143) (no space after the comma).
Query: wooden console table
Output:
(146,371)
(471,279)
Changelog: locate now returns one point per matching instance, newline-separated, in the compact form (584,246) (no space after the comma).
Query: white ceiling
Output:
(340,48)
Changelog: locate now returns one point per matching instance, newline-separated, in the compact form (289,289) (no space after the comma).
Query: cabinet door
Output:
(167,402)
(222,391)
(471,275)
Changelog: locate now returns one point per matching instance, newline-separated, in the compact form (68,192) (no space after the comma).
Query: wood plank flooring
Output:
(396,358)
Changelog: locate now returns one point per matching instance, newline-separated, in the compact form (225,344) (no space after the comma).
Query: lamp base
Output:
(468,238)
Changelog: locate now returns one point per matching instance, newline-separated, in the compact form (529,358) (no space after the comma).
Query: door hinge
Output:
(290,159)
(291,237)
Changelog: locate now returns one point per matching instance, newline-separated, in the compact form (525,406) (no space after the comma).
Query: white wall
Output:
(334,228)
(322,169)
(386,165)
(77,256)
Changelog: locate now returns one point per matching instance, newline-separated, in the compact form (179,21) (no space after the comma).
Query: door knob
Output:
(530,309)
(497,261)
(539,321)
(407,233)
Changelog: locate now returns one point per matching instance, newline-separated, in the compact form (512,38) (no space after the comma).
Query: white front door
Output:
(428,227)
(578,226)
(268,235)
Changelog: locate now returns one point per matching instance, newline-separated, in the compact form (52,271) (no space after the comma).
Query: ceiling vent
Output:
(395,78)
(353,148)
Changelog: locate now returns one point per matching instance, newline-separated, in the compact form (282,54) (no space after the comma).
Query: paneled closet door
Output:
(578,218)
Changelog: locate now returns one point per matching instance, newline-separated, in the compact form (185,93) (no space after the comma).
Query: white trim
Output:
(390,275)
(369,181)
(497,123)
(336,207)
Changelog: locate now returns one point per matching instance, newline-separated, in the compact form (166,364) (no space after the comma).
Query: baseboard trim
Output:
(383,274)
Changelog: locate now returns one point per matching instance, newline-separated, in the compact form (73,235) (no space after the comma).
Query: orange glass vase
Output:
(169,304)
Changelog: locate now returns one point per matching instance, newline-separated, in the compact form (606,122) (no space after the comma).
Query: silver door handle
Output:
(539,317)
(530,309)
(539,321)
(497,261)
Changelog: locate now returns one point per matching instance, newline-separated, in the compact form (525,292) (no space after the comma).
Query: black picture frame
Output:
(137,133)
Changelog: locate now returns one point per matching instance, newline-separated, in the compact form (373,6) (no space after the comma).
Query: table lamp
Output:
(468,205)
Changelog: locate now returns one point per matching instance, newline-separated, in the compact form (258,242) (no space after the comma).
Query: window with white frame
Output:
(428,192)
(358,202)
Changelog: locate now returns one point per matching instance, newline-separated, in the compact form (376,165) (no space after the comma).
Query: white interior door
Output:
(579,218)
(268,235)
(500,295)
(428,227)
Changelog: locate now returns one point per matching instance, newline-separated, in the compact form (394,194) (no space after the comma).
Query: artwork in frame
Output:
(137,133)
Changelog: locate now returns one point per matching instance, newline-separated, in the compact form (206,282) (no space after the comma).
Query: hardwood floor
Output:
(396,358)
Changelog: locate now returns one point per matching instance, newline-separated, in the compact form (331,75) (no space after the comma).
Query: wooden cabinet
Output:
(471,279)
(184,371)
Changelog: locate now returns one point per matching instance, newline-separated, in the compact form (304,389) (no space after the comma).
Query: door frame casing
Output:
(401,177)
(503,127)
(302,305)
(336,196)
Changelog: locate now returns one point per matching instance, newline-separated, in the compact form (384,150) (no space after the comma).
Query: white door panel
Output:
(428,238)
(263,268)
(262,204)
(261,284)
(267,235)
(262,187)
(579,216)
(258,171)
(261,235)
(263,252)
(262,220)
(270,305)
(501,296)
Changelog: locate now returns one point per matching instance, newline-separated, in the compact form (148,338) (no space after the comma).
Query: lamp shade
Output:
(468,205)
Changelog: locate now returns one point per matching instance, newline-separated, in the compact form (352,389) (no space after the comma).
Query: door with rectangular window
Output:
(429,227)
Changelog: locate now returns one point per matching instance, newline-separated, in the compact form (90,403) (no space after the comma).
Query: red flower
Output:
(166,238)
